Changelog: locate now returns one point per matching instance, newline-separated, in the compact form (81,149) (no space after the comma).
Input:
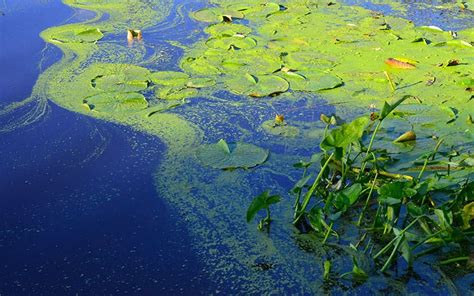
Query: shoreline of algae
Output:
(213,202)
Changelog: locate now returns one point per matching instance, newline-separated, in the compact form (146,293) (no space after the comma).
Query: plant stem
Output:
(431,156)
(369,148)
(368,198)
(310,192)
(328,232)
(394,251)
(453,260)
(395,238)
(392,85)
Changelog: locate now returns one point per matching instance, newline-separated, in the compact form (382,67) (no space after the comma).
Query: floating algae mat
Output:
(242,63)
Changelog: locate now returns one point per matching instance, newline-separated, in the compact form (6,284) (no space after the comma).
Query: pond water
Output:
(106,203)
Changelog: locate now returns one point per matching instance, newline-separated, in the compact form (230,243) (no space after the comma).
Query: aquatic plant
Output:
(398,214)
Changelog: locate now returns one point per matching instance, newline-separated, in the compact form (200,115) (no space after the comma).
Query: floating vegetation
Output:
(238,155)
(407,198)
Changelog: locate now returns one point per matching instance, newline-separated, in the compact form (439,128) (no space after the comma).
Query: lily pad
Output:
(306,60)
(116,102)
(78,36)
(215,15)
(312,81)
(239,42)
(175,92)
(239,155)
(122,78)
(257,86)
(227,29)
(283,130)
(169,78)
(200,82)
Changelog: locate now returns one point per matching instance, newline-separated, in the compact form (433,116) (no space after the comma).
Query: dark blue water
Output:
(78,209)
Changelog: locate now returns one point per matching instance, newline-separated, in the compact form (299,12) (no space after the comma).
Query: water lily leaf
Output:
(227,29)
(125,78)
(239,155)
(284,130)
(257,86)
(457,42)
(240,42)
(260,202)
(201,66)
(200,82)
(307,60)
(175,92)
(116,102)
(255,61)
(215,15)
(169,78)
(82,36)
(311,81)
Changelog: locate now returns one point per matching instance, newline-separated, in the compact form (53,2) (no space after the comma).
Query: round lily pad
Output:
(79,36)
(305,60)
(240,42)
(122,78)
(224,156)
(284,130)
(116,102)
(257,86)
(175,92)
(312,81)
(169,78)
(215,14)
(227,29)
(200,82)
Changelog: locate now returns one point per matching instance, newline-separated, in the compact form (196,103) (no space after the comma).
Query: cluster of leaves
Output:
(405,214)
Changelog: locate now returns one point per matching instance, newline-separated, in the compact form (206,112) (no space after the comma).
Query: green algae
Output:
(343,60)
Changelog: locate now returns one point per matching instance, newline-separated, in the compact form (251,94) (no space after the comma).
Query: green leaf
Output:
(90,35)
(215,15)
(122,78)
(221,156)
(257,86)
(169,78)
(260,202)
(468,215)
(395,192)
(283,130)
(344,135)
(225,42)
(387,108)
(227,29)
(175,92)
(116,102)
(347,197)
(311,81)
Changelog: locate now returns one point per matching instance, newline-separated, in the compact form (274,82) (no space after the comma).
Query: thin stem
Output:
(328,232)
(395,238)
(369,148)
(392,85)
(310,192)
(453,260)
(368,198)
(431,156)
(394,251)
